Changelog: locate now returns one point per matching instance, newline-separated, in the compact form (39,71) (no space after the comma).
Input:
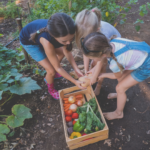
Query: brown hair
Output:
(96,44)
(59,25)
(87,21)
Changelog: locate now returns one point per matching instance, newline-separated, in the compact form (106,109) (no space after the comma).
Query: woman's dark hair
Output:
(96,44)
(59,25)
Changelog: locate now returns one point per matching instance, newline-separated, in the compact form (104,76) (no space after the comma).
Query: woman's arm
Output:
(86,63)
(72,61)
(50,52)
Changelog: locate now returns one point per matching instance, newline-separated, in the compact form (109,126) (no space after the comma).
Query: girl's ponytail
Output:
(34,35)
(115,59)
(98,13)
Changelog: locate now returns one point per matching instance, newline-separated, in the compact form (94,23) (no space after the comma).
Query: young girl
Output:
(88,21)
(47,42)
(129,61)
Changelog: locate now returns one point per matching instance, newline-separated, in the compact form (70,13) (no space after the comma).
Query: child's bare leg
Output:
(114,95)
(121,88)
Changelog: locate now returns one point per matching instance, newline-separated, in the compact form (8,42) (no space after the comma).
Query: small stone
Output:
(44,125)
(37,125)
(112,123)
(48,107)
(41,142)
(42,131)
(17,139)
(148,132)
(120,148)
(49,124)
(50,119)
(28,135)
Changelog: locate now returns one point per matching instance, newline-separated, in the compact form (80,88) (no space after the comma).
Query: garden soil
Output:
(45,130)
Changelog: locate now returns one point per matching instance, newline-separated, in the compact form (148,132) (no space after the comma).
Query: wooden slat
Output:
(84,143)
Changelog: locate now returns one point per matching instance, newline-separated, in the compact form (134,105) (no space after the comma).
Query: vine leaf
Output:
(137,28)
(26,86)
(3,130)
(14,122)
(20,111)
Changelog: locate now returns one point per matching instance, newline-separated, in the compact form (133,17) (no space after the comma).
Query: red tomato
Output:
(75,116)
(68,113)
(68,118)
(73,122)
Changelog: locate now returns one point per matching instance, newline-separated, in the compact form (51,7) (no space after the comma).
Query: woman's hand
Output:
(78,84)
(78,72)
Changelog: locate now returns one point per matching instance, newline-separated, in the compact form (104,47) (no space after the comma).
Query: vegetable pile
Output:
(81,118)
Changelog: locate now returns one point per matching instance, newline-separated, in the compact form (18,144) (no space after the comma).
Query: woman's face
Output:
(66,40)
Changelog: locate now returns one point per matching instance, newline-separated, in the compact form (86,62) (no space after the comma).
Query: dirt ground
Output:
(45,130)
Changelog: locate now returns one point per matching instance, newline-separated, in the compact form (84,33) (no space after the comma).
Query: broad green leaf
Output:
(18,76)
(21,111)
(26,86)
(1,92)
(10,80)
(148,5)
(4,87)
(14,72)
(137,28)
(4,129)
(2,137)
(141,13)
(11,134)
(14,122)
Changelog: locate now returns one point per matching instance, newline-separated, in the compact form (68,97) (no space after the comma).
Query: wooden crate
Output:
(96,136)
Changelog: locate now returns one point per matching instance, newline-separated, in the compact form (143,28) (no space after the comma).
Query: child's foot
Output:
(113,115)
(112,95)
(57,76)
(97,90)
(52,91)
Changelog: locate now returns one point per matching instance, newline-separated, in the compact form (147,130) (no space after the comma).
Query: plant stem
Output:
(3,115)
(2,122)
(7,100)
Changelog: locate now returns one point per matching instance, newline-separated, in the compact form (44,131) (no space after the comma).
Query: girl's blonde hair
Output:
(87,21)
(96,44)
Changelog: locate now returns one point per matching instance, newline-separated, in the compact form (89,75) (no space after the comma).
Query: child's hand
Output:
(78,84)
(78,72)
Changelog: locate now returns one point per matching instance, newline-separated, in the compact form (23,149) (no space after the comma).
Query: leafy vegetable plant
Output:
(11,81)
(19,114)
(89,117)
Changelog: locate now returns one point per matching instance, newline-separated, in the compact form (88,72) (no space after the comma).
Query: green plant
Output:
(39,72)
(1,35)
(19,114)
(109,8)
(11,81)
(11,10)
